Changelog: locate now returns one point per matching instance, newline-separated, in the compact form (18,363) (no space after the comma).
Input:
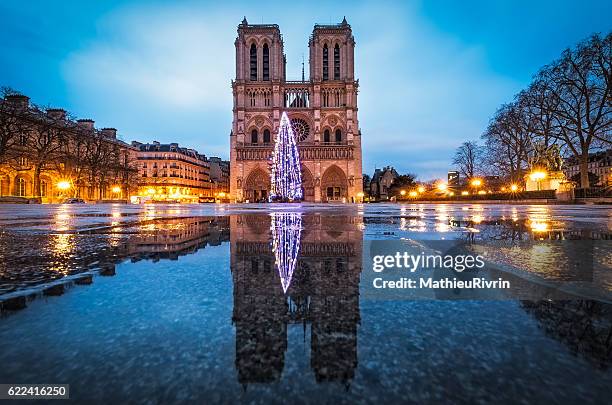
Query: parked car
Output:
(74,201)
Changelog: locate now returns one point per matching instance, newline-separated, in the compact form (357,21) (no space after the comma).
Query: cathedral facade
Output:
(322,110)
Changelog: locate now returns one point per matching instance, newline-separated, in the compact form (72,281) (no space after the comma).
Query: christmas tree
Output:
(286,176)
(286,231)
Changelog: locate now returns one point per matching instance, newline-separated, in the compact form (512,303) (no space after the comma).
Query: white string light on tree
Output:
(286,175)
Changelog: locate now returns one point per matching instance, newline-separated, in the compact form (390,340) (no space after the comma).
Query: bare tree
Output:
(508,142)
(14,124)
(580,87)
(43,144)
(467,158)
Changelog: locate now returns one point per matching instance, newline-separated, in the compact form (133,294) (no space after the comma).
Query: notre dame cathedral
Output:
(322,110)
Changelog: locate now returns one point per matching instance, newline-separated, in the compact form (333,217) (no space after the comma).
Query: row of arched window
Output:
(259,98)
(327,136)
(255,136)
(266,62)
(332,97)
(336,73)
(21,187)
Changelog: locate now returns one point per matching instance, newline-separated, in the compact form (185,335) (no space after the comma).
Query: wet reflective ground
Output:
(266,303)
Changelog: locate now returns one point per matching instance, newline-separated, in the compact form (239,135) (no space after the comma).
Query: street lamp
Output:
(116,189)
(63,185)
(403,192)
(413,194)
(442,186)
(476,183)
(513,187)
(537,176)
(421,189)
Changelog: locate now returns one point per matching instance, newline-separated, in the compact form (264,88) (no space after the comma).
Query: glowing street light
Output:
(476,183)
(413,194)
(403,192)
(116,189)
(465,193)
(513,187)
(442,186)
(63,185)
(221,194)
(151,191)
(421,189)
(537,176)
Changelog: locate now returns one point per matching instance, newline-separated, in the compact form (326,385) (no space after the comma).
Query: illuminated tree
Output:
(286,177)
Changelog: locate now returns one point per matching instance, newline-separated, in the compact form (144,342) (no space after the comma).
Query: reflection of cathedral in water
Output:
(322,289)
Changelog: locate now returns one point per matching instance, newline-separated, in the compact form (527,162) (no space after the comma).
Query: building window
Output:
(266,62)
(23,140)
(326,136)
(23,161)
(266,136)
(267,99)
(338,136)
(21,187)
(337,62)
(254,136)
(325,63)
(253,62)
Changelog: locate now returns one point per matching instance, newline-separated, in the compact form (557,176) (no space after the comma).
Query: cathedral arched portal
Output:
(308,184)
(257,186)
(334,185)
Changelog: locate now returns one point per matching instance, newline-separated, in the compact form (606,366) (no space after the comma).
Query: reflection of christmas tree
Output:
(286,177)
(286,231)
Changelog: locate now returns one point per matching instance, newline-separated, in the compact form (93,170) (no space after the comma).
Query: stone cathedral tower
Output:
(322,110)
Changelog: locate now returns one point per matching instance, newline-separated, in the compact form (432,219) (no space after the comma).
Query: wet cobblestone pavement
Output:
(186,304)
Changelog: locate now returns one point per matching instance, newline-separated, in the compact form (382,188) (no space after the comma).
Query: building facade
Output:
(381,182)
(322,110)
(168,172)
(599,166)
(220,177)
(48,157)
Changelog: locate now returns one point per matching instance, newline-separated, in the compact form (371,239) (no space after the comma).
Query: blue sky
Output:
(431,72)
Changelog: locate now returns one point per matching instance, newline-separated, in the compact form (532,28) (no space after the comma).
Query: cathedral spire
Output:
(244,21)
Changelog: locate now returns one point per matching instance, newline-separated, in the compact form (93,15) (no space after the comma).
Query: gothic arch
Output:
(334,184)
(257,185)
(259,122)
(308,184)
(333,121)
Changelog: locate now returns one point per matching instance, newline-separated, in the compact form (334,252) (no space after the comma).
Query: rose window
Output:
(300,129)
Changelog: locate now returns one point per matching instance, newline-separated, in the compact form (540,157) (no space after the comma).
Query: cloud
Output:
(163,72)
(422,93)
